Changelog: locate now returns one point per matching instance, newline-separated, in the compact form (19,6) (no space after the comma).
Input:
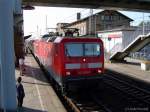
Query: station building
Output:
(107,19)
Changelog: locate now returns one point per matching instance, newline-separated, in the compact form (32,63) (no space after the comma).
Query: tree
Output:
(145,23)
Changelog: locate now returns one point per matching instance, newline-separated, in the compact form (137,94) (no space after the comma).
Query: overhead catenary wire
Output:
(73,15)
(84,13)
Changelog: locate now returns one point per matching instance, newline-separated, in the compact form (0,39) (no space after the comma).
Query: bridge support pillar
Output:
(7,68)
(18,31)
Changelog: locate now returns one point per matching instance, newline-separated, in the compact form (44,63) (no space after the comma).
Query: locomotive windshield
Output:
(82,49)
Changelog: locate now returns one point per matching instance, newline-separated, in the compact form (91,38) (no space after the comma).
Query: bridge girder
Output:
(137,5)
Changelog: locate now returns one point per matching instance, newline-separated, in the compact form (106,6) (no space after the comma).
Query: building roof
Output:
(99,13)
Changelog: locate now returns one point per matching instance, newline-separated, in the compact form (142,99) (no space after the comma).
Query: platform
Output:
(39,95)
(130,69)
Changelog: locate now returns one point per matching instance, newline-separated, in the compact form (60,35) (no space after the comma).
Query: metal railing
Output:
(136,33)
(140,55)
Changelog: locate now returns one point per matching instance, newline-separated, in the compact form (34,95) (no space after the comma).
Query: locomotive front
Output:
(83,60)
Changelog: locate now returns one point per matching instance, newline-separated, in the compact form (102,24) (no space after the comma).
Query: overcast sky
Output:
(35,20)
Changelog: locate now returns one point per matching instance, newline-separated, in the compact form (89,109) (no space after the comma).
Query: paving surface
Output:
(130,69)
(39,95)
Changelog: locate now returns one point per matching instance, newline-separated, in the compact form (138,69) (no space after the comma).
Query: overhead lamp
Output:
(28,7)
(28,36)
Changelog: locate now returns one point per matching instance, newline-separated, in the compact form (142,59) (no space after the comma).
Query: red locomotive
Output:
(71,60)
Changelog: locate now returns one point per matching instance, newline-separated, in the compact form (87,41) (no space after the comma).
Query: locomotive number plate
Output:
(84,72)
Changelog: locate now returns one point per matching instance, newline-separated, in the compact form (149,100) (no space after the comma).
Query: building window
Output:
(115,17)
(111,17)
(107,17)
(102,17)
(83,30)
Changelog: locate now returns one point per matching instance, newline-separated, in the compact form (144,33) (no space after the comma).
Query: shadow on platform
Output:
(133,63)
(25,109)
(35,73)
(35,83)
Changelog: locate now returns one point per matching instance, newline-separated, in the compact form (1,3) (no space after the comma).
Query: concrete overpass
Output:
(137,5)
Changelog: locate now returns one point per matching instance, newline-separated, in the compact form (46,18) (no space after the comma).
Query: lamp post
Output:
(143,34)
(90,21)
(95,25)
(143,25)
(46,24)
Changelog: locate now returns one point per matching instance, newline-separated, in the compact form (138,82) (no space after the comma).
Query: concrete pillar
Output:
(145,65)
(18,28)
(7,69)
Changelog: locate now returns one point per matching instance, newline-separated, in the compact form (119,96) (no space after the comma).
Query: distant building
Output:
(60,29)
(115,40)
(104,20)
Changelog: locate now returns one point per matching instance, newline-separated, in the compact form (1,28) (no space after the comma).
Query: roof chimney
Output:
(78,16)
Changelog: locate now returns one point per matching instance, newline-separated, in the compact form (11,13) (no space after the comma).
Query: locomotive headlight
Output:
(99,71)
(67,73)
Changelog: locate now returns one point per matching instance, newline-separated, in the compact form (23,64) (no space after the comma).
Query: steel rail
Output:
(127,88)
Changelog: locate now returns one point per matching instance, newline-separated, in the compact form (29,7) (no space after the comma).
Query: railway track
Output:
(88,102)
(136,98)
(129,79)
(136,95)
(82,101)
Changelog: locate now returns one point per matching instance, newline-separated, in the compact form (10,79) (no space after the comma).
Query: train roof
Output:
(59,39)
